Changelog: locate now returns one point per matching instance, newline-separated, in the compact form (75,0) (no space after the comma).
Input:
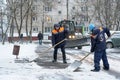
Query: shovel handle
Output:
(55,45)
(85,56)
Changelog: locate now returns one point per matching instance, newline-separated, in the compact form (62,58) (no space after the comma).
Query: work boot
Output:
(65,61)
(54,61)
(106,68)
(95,70)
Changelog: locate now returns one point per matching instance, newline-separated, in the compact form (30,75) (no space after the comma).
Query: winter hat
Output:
(56,25)
(91,26)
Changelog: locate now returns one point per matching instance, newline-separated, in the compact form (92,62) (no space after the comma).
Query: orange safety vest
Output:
(54,31)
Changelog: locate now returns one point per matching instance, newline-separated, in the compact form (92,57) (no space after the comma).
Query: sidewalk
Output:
(45,58)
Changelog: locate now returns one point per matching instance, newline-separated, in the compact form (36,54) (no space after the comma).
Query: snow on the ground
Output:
(114,63)
(9,70)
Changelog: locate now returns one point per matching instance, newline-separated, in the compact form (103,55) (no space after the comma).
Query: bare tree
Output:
(107,13)
(20,12)
(82,13)
(3,21)
(117,15)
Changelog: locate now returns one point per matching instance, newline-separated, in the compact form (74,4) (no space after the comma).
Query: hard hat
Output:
(91,26)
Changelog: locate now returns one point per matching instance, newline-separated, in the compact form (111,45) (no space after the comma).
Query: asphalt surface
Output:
(45,58)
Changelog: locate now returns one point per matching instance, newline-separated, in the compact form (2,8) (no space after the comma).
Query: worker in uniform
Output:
(98,46)
(58,34)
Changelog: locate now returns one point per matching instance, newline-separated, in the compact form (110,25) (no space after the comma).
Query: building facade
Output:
(46,14)
(79,11)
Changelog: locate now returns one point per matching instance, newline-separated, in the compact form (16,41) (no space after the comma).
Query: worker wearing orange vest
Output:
(58,34)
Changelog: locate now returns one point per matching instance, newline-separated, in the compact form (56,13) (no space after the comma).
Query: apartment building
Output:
(80,11)
(47,14)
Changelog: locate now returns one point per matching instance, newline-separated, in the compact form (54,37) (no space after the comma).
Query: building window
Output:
(34,18)
(84,0)
(84,18)
(113,0)
(73,18)
(59,12)
(59,1)
(48,29)
(25,0)
(73,7)
(48,9)
(33,8)
(35,0)
(35,29)
(85,8)
(49,19)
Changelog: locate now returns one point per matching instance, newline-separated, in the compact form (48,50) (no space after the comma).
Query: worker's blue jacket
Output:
(59,35)
(98,40)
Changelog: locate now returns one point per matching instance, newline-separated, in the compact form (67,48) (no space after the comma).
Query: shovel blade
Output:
(73,66)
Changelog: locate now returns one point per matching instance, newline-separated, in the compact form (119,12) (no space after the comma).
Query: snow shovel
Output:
(54,46)
(74,66)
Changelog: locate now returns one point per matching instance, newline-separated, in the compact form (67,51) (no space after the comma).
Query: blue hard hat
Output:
(91,26)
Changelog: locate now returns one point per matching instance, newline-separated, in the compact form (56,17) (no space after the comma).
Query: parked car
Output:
(114,40)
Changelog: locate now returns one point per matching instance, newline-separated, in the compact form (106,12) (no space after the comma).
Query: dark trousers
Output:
(98,55)
(63,53)
(40,41)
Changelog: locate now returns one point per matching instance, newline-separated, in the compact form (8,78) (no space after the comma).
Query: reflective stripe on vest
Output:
(60,30)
